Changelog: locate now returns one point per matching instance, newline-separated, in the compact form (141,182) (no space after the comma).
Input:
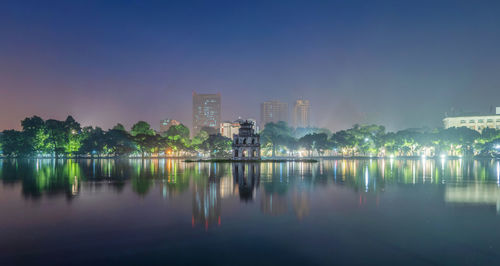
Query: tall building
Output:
(206,111)
(301,111)
(473,121)
(273,111)
(165,124)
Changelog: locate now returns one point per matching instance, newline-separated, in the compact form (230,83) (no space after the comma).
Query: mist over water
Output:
(334,211)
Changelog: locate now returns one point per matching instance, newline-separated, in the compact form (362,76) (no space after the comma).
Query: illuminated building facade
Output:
(474,121)
(206,111)
(301,114)
(229,129)
(273,111)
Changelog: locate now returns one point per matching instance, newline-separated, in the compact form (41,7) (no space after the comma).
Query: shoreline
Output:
(265,159)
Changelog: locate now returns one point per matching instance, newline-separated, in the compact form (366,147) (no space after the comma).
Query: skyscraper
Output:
(273,111)
(301,114)
(206,111)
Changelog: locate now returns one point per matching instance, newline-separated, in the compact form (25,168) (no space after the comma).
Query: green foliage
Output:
(119,127)
(316,141)
(178,137)
(217,145)
(141,127)
(210,130)
(276,135)
(67,138)
(199,139)
(14,143)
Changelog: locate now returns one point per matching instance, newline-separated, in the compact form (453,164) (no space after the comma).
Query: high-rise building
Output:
(165,124)
(206,111)
(273,111)
(301,113)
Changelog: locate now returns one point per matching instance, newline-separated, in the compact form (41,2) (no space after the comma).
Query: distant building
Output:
(246,144)
(165,124)
(206,111)
(473,121)
(228,129)
(273,111)
(301,111)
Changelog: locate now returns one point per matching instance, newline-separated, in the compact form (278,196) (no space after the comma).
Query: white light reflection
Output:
(498,173)
(366,178)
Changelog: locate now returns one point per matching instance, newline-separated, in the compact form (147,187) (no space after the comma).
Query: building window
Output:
(462,121)
(498,120)
(490,121)
(480,121)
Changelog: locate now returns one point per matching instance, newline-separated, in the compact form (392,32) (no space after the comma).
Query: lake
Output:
(170,212)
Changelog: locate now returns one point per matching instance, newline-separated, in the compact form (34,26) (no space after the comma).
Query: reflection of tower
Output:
(207,203)
(247,176)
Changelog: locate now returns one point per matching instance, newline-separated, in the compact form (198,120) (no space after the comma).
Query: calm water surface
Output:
(168,212)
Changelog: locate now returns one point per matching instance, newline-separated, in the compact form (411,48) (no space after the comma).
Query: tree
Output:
(217,145)
(147,143)
(35,133)
(275,134)
(93,141)
(210,130)
(198,140)
(178,137)
(118,142)
(141,127)
(14,144)
(57,136)
(119,127)
(344,141)
(316,141)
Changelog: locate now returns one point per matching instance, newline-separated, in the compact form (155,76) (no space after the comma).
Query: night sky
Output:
(396,63)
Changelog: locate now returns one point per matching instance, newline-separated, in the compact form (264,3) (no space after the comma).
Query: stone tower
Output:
(246,144)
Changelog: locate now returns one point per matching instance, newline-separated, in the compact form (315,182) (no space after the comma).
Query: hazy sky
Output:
(397,63)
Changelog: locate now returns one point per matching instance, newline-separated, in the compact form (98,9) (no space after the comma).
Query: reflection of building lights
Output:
(443,156)
(424,157)
(498,173)
(366,178)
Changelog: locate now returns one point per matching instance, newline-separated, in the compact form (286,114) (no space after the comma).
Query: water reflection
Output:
(278,188)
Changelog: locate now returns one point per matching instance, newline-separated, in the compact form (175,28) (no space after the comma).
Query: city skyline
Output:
(402,65)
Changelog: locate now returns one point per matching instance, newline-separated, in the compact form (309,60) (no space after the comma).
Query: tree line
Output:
(373,140)
(67,138)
